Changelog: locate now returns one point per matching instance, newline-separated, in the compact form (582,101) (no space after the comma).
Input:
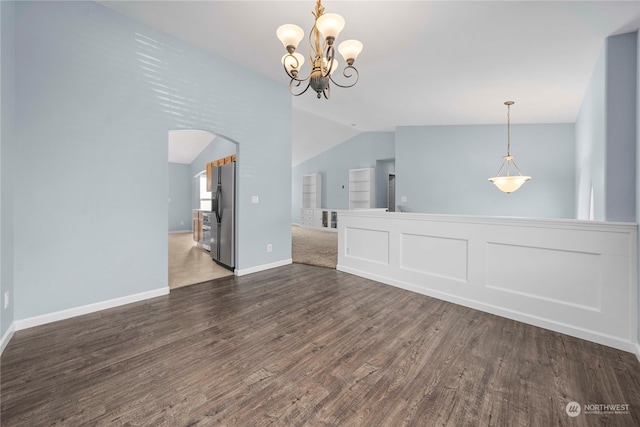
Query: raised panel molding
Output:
(570,276)
(527,271)
(437,256)
(367,245)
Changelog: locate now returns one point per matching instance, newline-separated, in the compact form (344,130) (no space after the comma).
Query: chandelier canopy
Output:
(325,31)
(509,183)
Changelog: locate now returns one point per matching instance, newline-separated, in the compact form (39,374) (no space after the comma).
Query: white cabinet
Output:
(326,219)
(329,219)
(307,217)
(311,217)
(311,191)
(362,188)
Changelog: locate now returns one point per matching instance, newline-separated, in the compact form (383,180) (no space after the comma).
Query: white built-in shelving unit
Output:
(311,199)
(312,191)
(362,188)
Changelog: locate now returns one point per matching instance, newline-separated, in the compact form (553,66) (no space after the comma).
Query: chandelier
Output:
(321,55)
(509,183)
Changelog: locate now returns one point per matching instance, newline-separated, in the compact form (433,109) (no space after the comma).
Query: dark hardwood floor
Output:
(303,345)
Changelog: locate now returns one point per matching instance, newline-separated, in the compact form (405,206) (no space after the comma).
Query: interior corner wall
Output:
(7,158)
(638,157)
(361,151)
(590,146)
(96,94)
(180,197)
(620,130)
(445,169)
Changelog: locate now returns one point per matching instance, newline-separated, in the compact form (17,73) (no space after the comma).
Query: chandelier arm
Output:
(329,56)
(314,32)
(291,86)
(348,76)
(300,80)
(284,65)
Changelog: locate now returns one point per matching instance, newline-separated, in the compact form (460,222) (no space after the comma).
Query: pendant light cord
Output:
(508,129)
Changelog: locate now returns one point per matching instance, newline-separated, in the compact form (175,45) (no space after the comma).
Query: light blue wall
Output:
(590,146)
(7,148)
(445,169)
(620,101)
(605,134)
(638,158)
(181,183)
(361,151)
(96,94)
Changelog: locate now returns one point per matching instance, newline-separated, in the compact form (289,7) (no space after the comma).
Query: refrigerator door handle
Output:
(218,210)
(214,205)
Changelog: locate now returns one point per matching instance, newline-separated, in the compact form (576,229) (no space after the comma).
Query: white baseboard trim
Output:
(562,328)
(262,267)
(86,309)
(7,336)
(180,231)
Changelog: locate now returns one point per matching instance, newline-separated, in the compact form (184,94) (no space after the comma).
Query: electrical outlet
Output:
(269,247)
(403,198)
(255,199)
(6,300)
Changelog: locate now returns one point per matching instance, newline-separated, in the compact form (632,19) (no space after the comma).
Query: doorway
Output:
(391,193)
(190,152)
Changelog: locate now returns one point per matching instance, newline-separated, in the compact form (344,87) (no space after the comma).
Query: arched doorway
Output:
(191,154)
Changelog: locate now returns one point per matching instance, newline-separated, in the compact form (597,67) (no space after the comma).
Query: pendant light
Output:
(509,183)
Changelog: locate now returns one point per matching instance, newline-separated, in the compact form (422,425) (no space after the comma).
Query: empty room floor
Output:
(189,264)
(305,345)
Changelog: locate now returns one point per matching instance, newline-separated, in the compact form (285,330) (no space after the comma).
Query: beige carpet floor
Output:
(189,264)
(314,247)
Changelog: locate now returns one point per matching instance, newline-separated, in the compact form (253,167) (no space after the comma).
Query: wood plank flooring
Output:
(307,346)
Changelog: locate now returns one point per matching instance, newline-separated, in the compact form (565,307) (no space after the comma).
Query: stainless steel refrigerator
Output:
(223,227)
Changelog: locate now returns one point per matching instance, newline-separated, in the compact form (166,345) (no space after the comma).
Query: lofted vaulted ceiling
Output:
(423,63)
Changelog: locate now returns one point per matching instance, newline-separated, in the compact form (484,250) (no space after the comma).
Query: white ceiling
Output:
(423,63)
(186,145)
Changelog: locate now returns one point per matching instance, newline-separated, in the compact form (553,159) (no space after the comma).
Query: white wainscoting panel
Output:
(437,256)
(525,270)
(574,277)
(367,245)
